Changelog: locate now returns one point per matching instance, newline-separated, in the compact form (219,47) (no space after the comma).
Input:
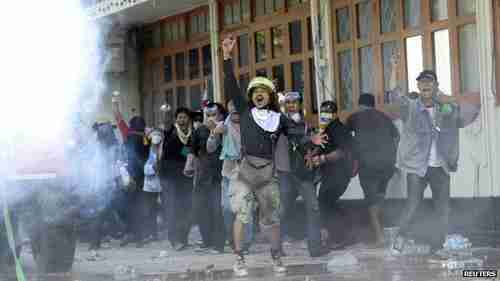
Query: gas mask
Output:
(325,118)
(156,139)
(296,117)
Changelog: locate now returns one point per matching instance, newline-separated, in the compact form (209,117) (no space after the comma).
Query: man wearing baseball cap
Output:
(428,153)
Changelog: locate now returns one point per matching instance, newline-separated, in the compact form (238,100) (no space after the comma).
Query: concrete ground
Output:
(158,261)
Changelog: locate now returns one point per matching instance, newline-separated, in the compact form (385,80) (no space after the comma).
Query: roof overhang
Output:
(140,12)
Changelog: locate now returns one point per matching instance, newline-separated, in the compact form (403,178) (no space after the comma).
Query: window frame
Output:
(377,38)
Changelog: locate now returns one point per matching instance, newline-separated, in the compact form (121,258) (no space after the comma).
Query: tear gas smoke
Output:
(52,69)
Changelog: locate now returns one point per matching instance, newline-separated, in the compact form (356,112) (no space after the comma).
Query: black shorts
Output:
(374,183)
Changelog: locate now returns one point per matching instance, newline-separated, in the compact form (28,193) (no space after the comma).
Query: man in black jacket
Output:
(206,147)
(335,162)
(376,140)
(176,148)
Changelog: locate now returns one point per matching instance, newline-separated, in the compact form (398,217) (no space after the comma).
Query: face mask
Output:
(212,118)
(296,117)
(156,139)
(325,118)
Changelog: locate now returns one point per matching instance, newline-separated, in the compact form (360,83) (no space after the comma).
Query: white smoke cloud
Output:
(50,66)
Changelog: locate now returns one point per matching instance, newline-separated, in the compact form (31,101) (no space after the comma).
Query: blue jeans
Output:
(229,217)
(290,187)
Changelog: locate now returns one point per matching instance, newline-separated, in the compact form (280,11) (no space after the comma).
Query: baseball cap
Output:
(427,74)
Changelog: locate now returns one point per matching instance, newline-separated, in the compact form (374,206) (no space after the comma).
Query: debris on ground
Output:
(95,256)
(161,255)
(339,262)
(124,273)
(457,245)
(461,263)
(409,248)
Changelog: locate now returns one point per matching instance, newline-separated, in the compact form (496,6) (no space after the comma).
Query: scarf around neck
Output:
(183,137)
(267,119)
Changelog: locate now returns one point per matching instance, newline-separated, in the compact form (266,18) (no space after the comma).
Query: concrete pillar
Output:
(327,70)
(318,58)
(214,45)
(484,24)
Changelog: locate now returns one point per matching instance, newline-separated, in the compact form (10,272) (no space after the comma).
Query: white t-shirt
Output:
(434,157)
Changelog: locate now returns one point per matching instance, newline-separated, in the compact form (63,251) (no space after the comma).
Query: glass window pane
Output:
(366,70)
(442,59)
(156,37)
(466,7)
(182,30)
(295,29)
(260,46)
(293,3)
(193,25)
(279,76)
(236,12)
(439,10)
(194,64)
(261,72)
(167,29)
(167,69)
(343,25)
(207,60)
(388,49)
(243,50)
(228,14)
(245,9)
(279,4)
(388,13)
(364,19)
(181,97)
(260,7)
(195,97)
(180,63)
(345,83)
(314,93)
(244,80)
(469,68)
(277,35)
(148,39)
(298,77)
(269,6)
(412,13)
(175,31)
(201,23)
(414,61)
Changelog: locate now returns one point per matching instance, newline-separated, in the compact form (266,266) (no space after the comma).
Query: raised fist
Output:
(228,46)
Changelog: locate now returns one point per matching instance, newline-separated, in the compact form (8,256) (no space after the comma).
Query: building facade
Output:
(326,49)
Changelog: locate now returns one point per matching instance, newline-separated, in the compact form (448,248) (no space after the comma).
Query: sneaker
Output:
(240,267)
(202,249)
(215,252)
(398,244)
(278,266)
(180,247)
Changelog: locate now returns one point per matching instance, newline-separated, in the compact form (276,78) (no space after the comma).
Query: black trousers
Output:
(149,224)
(332,188)
(179,207)
(208,213)
(439,181)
